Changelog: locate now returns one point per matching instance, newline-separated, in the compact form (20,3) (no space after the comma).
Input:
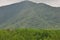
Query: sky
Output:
(54,3)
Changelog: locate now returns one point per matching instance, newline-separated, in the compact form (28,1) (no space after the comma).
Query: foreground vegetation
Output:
(29,34)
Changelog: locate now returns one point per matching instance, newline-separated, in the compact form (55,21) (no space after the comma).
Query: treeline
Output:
(29,34)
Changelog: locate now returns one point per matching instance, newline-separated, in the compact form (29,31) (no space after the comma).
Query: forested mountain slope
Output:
(29,14)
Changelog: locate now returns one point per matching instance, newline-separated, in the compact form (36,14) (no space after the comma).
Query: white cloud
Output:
(7,2)
(55,3)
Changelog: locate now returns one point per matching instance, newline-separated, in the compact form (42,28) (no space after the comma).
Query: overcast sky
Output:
(55,3)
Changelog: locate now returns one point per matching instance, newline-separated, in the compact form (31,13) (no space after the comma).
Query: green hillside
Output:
(28,14)
(29,34)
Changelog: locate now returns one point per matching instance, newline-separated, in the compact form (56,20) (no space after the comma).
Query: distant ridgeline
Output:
(28,14)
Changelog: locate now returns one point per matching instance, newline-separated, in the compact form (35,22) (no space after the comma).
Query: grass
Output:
(29,34)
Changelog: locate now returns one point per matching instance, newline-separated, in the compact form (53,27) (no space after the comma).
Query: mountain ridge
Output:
(30,15)
(30,2)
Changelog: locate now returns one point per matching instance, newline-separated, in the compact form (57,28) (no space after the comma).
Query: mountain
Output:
(28,14)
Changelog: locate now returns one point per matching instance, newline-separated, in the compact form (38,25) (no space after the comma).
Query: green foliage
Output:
(29,34)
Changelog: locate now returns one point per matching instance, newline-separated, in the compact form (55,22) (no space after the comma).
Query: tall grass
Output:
(29,34)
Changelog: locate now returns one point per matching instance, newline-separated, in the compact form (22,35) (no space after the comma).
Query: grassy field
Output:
(29,34)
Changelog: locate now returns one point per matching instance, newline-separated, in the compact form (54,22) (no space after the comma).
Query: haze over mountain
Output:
(28,14)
